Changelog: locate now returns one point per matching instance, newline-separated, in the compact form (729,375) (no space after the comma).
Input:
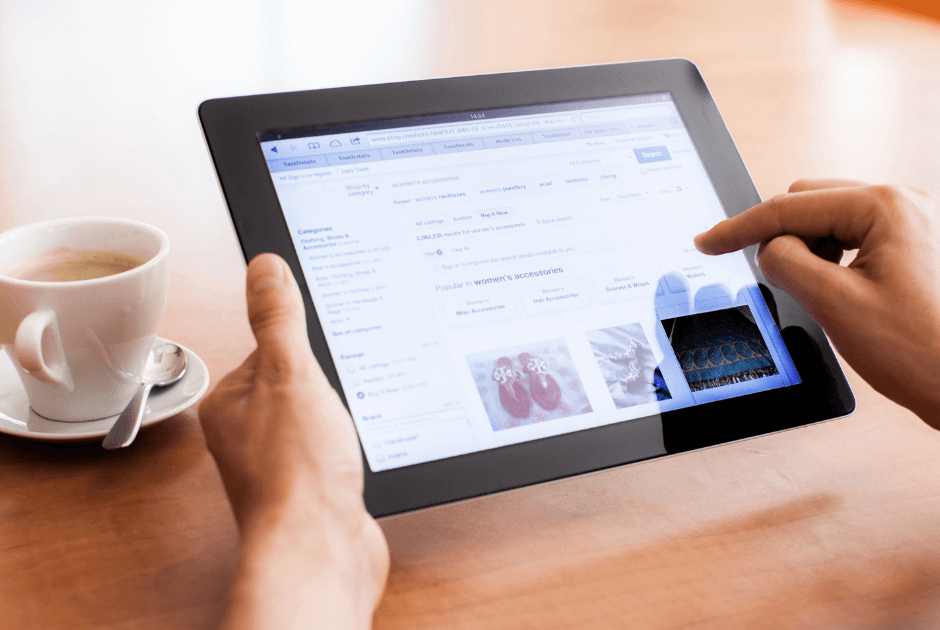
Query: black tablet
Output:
(500,278)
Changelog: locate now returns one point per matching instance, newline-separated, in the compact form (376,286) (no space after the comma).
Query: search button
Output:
(652,154)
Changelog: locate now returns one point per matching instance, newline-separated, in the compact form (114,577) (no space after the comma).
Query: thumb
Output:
(817,284)
(276,314)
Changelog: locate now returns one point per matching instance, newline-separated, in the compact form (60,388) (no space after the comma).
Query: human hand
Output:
(882,311)
(289,458)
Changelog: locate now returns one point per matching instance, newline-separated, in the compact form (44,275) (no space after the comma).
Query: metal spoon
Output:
(165,366)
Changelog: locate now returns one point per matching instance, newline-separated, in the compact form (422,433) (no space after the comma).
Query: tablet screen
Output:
(491,277)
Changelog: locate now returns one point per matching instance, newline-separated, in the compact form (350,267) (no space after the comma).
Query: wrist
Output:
(308,558)
(309,527)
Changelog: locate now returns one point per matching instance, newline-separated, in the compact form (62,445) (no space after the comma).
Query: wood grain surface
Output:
(831,526)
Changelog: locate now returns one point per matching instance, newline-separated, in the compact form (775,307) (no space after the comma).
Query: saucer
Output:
(16,418)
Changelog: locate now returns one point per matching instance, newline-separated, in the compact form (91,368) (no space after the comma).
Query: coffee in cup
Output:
(71,265)
(81,302)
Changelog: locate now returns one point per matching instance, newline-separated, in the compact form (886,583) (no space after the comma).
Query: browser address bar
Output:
(630,113)
(471,129)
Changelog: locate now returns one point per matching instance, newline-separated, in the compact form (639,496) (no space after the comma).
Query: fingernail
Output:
(265,273)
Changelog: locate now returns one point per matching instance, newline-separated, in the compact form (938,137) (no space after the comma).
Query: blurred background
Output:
(98,99)
(98,106)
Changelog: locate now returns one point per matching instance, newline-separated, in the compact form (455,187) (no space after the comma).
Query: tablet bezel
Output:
(231,127)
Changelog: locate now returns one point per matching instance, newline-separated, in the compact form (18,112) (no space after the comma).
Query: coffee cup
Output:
(80,303)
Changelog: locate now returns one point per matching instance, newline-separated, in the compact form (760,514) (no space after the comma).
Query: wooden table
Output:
(831,526)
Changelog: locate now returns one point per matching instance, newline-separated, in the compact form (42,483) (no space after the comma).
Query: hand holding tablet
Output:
(288,456)
(443,230)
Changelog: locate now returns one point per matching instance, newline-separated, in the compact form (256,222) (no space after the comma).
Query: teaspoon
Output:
(165,366)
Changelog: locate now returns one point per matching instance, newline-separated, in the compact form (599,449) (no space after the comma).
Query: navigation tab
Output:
(557,136)
(498,142)
(415,150)
(612,129)
(353,157)
(292,164)
(455,146)
(471,215)
(642,125)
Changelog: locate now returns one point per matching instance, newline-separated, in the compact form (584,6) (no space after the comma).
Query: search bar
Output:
(453,132)
(629,113)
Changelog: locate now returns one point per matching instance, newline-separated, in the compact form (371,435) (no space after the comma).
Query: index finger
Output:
(845,214)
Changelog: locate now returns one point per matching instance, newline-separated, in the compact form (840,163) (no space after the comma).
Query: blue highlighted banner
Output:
(652,154)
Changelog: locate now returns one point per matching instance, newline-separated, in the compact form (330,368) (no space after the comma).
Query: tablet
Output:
(500,278)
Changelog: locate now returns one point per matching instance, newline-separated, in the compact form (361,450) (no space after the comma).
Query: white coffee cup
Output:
(80,347)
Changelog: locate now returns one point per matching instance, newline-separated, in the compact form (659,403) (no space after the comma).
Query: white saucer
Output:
(16,418)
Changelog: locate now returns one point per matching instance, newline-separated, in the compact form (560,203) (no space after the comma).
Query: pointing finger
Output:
(845,214)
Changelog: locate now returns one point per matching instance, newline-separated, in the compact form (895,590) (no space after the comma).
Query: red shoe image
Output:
(513,395)
(544,388)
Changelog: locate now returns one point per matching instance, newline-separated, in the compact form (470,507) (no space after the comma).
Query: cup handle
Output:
(39,350)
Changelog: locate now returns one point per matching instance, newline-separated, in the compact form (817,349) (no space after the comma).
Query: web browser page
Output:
(494,277)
